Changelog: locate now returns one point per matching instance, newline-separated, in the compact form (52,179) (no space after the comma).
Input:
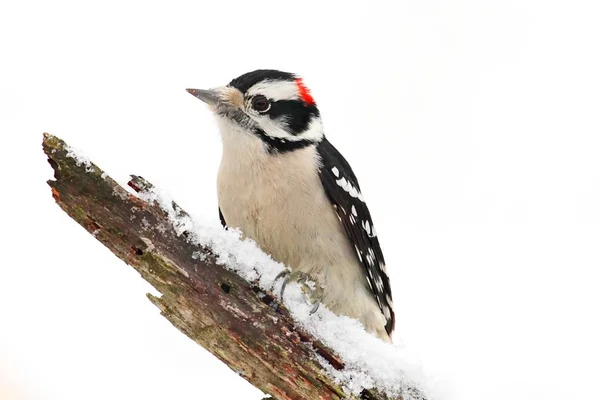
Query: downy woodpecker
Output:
(284,185)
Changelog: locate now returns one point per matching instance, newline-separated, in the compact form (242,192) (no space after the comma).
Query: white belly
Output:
(279,202)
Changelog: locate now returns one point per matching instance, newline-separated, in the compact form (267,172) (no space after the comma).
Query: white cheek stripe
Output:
(273,128)
(275,90)
(314,130)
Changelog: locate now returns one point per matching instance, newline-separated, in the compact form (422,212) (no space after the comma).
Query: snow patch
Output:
(80,158)
(369,362)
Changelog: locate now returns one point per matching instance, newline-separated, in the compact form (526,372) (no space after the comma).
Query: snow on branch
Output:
(218,290)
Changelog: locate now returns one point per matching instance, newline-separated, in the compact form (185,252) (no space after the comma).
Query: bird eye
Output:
(260,103)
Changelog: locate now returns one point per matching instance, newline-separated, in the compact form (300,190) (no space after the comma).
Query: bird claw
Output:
(301,278)
(280,275)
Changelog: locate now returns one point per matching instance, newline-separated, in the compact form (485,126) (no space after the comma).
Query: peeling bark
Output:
(231,318)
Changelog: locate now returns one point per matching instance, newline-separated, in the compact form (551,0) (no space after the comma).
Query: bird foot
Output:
(307,284)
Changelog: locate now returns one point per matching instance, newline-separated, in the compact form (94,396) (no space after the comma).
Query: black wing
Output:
(222,218)
(343,191)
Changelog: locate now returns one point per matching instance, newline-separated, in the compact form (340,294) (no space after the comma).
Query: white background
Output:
(472,125)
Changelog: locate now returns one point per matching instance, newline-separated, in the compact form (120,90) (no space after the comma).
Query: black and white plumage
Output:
(283,184)
(343,190)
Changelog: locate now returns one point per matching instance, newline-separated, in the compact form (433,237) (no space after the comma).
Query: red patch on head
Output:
(304,92)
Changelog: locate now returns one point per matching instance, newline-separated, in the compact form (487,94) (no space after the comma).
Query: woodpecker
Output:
(284,185)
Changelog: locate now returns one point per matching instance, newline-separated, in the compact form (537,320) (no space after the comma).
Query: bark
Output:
(231,318)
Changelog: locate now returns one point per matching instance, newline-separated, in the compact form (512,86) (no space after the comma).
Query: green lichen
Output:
(53,142)
(162,272)
(79,214)
(115,232)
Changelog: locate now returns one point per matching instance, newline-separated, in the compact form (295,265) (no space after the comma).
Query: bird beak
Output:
(210,97)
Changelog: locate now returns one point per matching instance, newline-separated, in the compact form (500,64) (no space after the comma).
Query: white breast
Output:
(279,202)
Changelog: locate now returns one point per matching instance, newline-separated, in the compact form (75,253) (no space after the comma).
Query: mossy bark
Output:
(216,308)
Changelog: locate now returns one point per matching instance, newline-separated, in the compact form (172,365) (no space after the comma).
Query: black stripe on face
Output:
(246,81)
(296,114)
(277,145)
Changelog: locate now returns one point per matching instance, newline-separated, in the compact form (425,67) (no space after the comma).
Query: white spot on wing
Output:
(367,227)
(358,253)
(383,268)
(370,260)
(389,300)
(354,211)
(336,172)
(386,312)
(348,187)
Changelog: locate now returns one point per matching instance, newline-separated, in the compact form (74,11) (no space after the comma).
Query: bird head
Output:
(272,105)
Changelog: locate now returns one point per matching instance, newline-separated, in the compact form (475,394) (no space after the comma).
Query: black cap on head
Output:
(249,79)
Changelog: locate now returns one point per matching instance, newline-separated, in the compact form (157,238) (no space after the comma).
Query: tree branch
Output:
(231,318)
